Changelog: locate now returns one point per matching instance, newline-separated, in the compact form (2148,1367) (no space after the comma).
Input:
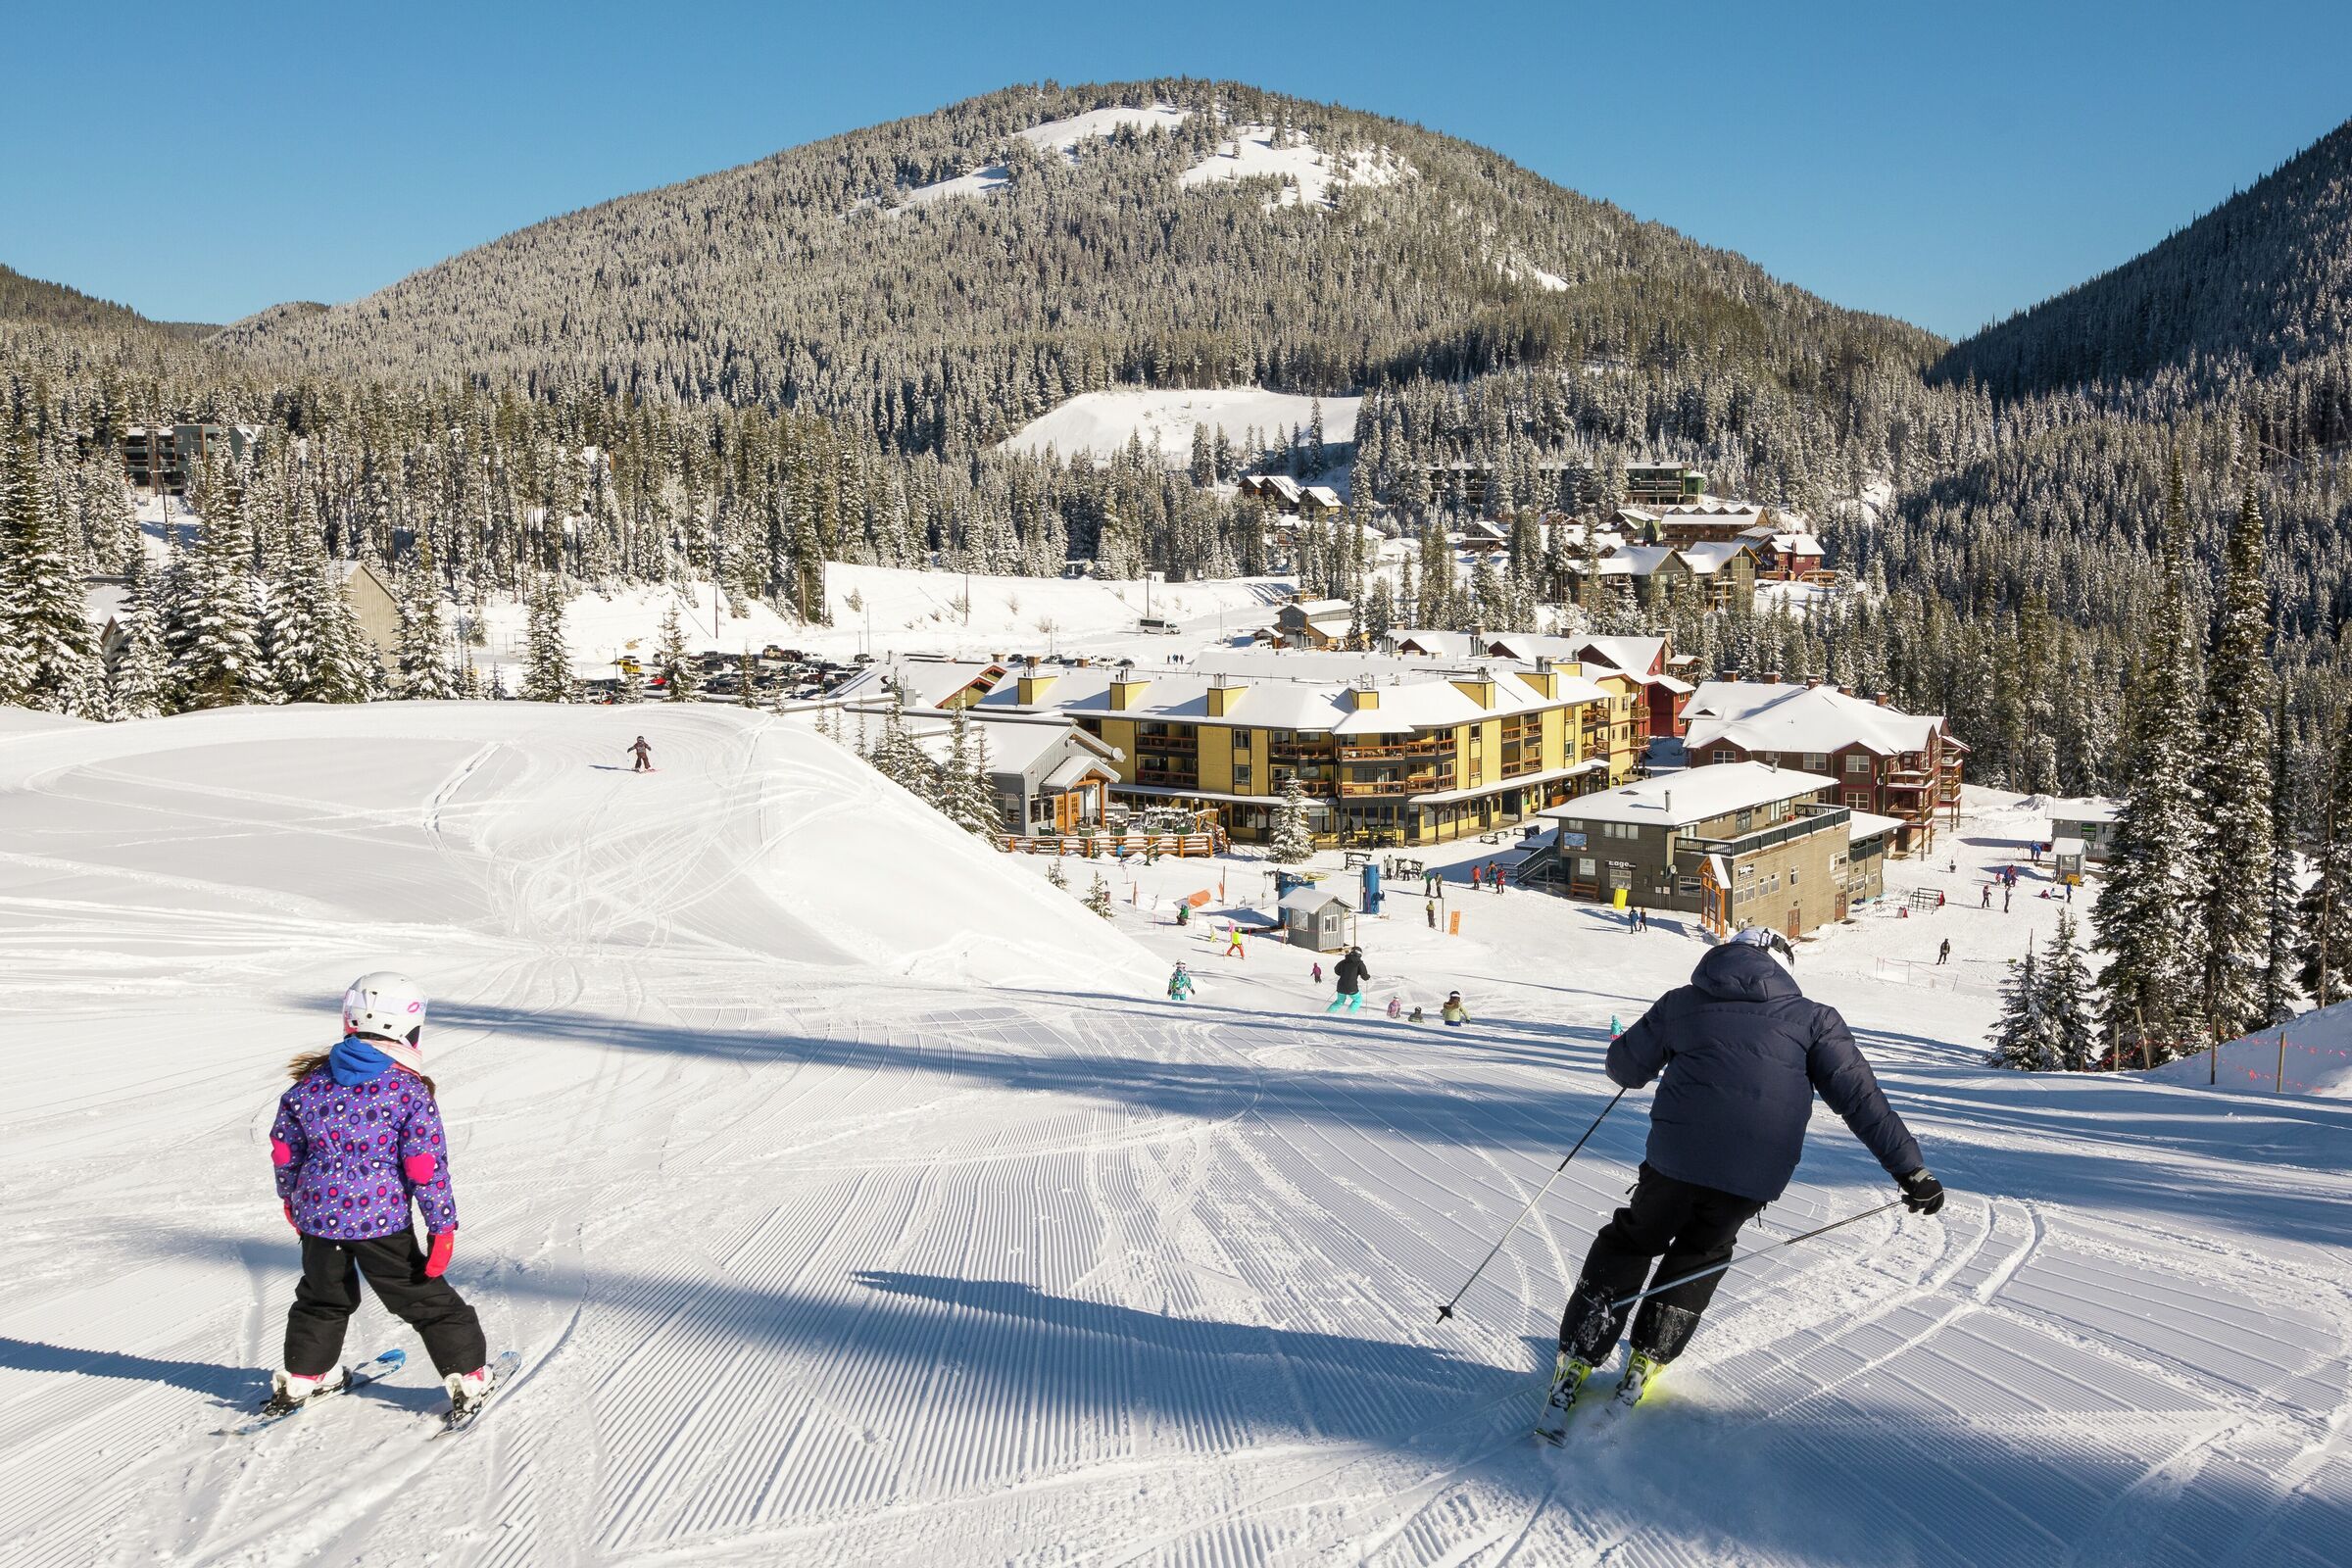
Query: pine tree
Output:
(2285,933)
(2022,1038)
(142,669)
(965,794)
(547,661)
(424,651)
(747,676)
(1291,843)
(679,678)
(630,688)
(2235,784)
(217,659)
(2325,970)
(2064,1005)
(1055,876)
(56,653)
(1098,897)
(2148,917)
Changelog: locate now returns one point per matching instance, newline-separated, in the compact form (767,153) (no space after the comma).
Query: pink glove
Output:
(436,1263)
(288,1205)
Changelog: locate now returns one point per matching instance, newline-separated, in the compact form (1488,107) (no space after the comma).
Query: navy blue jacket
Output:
(1743,1052)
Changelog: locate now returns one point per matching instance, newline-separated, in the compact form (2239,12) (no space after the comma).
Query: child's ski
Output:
(457,1418)
(366,1372)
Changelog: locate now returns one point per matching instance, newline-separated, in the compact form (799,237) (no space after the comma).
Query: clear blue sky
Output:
(1946,164)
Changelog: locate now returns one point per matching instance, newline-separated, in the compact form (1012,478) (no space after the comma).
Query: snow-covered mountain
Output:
(849,1202)
(948,277)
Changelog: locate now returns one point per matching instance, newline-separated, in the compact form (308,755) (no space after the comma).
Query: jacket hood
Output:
(1736,972)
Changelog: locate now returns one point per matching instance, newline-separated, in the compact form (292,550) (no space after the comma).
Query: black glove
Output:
(1923,1194)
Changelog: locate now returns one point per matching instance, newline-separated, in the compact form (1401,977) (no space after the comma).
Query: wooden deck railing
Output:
(1115,844)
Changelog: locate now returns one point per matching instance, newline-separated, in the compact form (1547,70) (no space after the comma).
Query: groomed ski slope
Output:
(851,1199)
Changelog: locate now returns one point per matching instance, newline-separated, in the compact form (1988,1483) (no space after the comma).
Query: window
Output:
(1722,753)
(1857,800)
(1745,822)
(1817,761)
(1858,763)
(1793,871)
(1588,867)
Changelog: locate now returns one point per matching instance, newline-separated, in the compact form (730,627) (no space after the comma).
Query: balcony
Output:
(1300,750)
(1383,751)
(1166,745)
(1414,784)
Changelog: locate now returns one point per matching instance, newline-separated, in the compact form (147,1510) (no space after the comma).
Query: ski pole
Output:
(1447,1311)
(1717,1268)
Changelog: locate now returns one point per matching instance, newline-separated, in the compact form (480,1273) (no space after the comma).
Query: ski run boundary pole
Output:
(1447,1311)
(1700,1274)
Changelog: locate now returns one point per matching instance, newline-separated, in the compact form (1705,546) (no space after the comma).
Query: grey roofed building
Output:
(1049,775)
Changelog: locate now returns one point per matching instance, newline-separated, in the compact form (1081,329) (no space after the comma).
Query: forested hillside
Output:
(867,279)
(30,300)
(2262,281)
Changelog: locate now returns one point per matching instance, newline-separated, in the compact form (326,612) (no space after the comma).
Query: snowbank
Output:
(1103,422)
(1055,135)
(2316,1060)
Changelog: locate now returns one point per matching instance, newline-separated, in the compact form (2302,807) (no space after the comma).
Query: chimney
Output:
(1730,677)
(1031,689)
(1879,698)
(1126,692)
(1812,682)
(1222,695)
(1771,677)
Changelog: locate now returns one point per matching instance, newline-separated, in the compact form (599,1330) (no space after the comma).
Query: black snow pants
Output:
(1688,1227)
(330,1292)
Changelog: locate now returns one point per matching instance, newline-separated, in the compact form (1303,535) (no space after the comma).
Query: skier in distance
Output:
(1180,984)
(357,1140)
(1742,1052)
(644,755)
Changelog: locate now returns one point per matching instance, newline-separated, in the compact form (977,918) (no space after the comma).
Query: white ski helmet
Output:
(385,1004)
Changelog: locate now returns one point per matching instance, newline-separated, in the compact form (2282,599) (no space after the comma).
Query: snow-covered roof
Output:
(1310,692)
(1770,716)
(1015,741)
(1637,656)
(1074,770)
(1311,607)
(926,682)
(2066,846)
(1711,555)
(1323,493)
(103,601)
(1694,795)
(1441,644)
(2088,808)
(1871,826)
(1309,897)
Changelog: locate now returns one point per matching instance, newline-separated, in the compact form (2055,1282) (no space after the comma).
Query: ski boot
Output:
(289,1392)
(467,1393)
(1568,1376)
(1642,1372)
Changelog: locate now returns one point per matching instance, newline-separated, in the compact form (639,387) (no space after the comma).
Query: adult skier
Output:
(1349,975)
(1180,984)
(644,755)
(357,1141)
(1743,1052)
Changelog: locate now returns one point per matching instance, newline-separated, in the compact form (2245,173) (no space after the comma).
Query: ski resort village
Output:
(1157,824)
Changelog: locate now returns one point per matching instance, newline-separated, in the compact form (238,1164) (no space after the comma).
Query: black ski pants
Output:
(330,1292)
(1682,1225)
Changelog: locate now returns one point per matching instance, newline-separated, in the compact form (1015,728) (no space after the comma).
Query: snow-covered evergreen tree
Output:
(216,660)
(965,794)
(54,652)
(423,656)
(1291,843)
(1055,876)
(2021,1037)
(142,670)
(2066,991)
(2285,933)
(2149,915)
(676,666)
(2324,970)
(2234,788)
(1098,897)
(546,661)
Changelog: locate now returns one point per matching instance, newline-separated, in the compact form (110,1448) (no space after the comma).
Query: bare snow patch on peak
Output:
(1102,423)
(1055,135)
(1518,272)
(1308,171)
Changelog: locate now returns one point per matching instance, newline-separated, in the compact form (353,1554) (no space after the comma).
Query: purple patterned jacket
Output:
(349,1159)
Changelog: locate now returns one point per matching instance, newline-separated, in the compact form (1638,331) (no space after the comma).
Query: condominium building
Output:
(1386,751)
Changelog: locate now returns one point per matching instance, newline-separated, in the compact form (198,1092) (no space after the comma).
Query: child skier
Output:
(1743,1052)
(1180,984)
(1454,1013)
(644,755)
(358,1139)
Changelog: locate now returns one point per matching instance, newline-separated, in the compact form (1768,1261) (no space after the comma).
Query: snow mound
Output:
(1103,422)
(882,610)
(521,820)
(2317,1060)
(1055,135)
(1307,171)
